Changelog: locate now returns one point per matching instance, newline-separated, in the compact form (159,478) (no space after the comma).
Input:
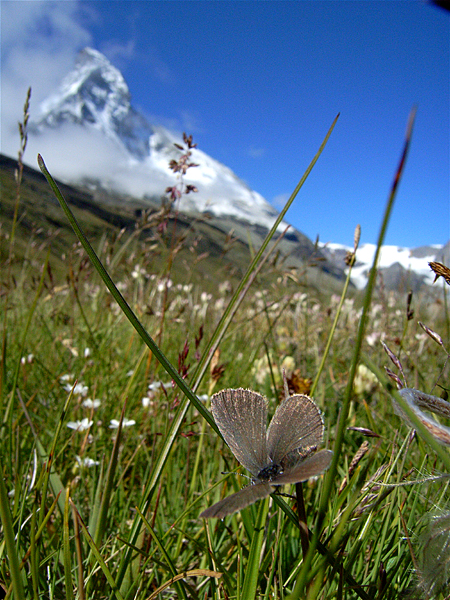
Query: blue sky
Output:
(258,84)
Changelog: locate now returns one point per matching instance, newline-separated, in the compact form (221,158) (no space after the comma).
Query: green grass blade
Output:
(66,551)
(98,556)
(147,339)
(252,574)
(8,534)
(244,284)
(331,473)
(162,549)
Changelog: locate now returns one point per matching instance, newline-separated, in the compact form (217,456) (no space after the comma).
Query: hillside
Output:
(211,249)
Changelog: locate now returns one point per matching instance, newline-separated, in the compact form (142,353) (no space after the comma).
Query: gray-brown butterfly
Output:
(283,453)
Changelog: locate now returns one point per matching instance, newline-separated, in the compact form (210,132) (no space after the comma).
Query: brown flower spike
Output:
(441,271)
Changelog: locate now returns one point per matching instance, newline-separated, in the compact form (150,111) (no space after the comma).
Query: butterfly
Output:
(283,453)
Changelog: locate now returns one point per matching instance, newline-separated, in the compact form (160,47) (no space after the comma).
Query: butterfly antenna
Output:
(235,473)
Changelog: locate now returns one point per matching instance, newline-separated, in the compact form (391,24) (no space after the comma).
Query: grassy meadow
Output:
(109,454)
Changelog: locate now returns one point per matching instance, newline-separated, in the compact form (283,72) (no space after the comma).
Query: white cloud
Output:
(71,153)
(191,122)
(280,201)
(118,53)
(39,43)
(256,152)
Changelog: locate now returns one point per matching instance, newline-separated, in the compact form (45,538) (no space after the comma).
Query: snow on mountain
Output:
(397,265)
(88,132)
(94,97)
(95,94)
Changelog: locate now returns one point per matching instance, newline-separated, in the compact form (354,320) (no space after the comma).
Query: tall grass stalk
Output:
(238,296)
(342,423)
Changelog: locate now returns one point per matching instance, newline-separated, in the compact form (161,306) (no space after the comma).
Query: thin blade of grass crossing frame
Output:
(330,475)
(249,588)
(98,556)
(66,550)
(10,543)
(209,349)
(126,309)
(208,353)
(171,566)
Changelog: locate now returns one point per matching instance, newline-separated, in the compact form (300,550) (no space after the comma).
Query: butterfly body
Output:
(270,472)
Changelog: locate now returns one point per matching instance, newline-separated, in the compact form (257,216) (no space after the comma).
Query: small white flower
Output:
(87,352)
(138,272)
(145,401)
(219,304)
(154,385)
(163,284)
(86,462)
(66,377)
(88,403)
(27,359)
(225,288)
(80,425)
(372,338)
(114,424)
(80,389)
(288,365)
(365,381)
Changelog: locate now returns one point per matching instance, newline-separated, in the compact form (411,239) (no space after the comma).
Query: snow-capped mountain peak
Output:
(95,97)
(95,94)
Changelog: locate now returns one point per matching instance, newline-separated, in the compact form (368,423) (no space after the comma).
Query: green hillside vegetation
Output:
(106,219)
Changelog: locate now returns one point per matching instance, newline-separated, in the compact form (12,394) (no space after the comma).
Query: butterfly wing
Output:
(297,423)
(238,501)
(309,467)
(241,416)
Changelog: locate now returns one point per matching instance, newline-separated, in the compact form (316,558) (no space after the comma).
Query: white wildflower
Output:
(80,425)
(89,403)
(86,462)
(79,390)
(365,381)
(114,424)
